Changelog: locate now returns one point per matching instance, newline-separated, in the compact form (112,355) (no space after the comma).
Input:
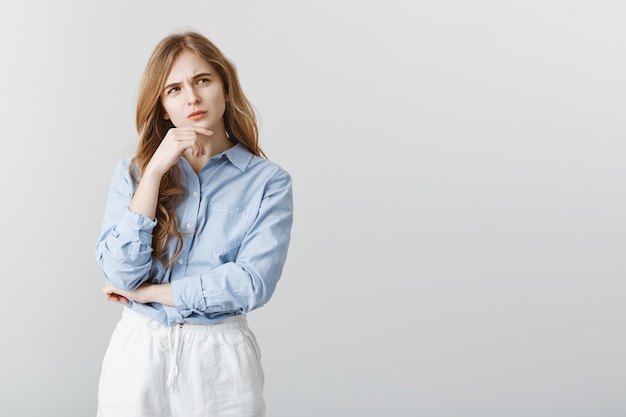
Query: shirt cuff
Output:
(139,226)
(188,296)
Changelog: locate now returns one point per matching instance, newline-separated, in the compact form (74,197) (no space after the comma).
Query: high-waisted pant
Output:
(152,370)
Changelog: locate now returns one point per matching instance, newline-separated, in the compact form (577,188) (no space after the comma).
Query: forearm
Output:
(146,293)
(160,293)
(146,196)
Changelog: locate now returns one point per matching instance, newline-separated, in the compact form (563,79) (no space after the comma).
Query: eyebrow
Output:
(195,77)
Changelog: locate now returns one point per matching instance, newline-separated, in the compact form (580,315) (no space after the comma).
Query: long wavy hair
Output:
(239,120)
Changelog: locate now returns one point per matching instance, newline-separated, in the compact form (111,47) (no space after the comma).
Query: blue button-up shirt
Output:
(236,215)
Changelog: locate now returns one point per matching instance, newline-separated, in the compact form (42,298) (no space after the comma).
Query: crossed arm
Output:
(145,293)
(144,201)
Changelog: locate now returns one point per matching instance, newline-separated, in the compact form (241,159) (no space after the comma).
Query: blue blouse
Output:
(236,215)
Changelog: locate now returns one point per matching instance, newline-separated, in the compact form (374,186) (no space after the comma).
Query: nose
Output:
(192,96)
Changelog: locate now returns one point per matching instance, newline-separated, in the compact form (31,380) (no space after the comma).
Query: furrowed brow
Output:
(167,87)
(195,77)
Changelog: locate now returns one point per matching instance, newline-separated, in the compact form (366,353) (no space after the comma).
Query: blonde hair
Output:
(239,120)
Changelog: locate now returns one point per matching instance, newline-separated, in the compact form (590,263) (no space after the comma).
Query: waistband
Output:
(140,321)
(169,337)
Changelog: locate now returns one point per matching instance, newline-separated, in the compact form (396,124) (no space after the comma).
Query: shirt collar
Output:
(239,156)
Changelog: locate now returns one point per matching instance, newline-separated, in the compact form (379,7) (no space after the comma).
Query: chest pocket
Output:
(225,227)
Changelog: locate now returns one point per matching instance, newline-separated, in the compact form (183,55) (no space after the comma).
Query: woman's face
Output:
(193,94)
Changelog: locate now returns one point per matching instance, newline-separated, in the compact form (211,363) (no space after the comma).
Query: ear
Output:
(166,116)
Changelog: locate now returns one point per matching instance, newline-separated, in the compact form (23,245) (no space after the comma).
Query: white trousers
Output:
(151,370)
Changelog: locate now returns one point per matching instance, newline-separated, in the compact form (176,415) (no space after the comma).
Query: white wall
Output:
(458,246)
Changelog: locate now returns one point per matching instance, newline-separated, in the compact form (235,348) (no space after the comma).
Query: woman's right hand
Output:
(173,146)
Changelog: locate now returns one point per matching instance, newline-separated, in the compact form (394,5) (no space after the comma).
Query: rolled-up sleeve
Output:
(124,247)
(248,282)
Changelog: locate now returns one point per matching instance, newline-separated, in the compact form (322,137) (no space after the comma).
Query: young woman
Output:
(195,235)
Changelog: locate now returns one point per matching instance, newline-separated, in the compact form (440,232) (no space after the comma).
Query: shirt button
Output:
(180,262)
(189,226)
(195,194)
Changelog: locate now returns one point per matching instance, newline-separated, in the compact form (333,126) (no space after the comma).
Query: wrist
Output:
(152,173)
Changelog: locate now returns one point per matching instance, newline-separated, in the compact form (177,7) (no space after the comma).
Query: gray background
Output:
(458,245)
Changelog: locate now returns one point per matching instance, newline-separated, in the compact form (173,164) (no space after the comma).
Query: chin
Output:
(205,125)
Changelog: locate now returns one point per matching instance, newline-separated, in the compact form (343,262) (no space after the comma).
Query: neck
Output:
(214,144)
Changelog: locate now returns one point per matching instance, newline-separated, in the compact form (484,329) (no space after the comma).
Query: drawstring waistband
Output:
(170,337)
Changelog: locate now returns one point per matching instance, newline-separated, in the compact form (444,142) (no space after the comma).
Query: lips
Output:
(196,115)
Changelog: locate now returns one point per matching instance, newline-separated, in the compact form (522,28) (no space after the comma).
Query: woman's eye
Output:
(203,80)
(173,90)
